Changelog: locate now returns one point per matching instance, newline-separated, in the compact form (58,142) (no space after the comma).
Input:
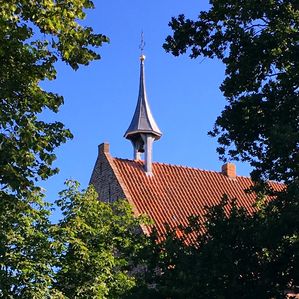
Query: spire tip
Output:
(141,47)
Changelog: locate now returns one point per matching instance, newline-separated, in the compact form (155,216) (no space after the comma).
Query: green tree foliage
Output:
(93,252)
(26,257)
(258,43)
(243,255)
(34,35)
(235,256)
(98,245)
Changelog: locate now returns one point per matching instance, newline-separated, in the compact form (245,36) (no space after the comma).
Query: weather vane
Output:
(142,43)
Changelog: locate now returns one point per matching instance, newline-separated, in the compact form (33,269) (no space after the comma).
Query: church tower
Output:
(143,130)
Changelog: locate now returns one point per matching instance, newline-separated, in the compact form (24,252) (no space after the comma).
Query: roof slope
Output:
(174,192)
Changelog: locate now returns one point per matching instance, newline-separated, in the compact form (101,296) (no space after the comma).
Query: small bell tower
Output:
(143,130)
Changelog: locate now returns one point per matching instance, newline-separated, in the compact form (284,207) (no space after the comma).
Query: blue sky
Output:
(100,99)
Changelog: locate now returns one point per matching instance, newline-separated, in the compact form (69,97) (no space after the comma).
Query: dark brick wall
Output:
(103,177)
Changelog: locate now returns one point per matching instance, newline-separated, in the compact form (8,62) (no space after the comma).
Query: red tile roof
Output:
(174,192)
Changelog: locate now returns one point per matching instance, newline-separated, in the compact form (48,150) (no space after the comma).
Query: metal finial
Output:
(141,47)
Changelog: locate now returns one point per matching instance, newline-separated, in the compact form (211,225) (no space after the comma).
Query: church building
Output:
(166,193)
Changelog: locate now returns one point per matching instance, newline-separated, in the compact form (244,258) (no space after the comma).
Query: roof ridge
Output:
(182,166)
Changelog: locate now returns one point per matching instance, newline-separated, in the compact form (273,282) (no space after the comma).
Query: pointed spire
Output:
(143,120)
(143,130)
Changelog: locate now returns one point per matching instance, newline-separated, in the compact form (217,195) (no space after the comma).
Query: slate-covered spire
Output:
(143,129)
(143,120)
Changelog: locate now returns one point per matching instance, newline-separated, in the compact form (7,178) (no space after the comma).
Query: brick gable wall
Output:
(103,176)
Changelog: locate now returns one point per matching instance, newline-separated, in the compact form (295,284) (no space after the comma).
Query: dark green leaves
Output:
(258,43)
(251,256)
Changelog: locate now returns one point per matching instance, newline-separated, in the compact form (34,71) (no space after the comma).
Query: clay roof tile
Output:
(174,192)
